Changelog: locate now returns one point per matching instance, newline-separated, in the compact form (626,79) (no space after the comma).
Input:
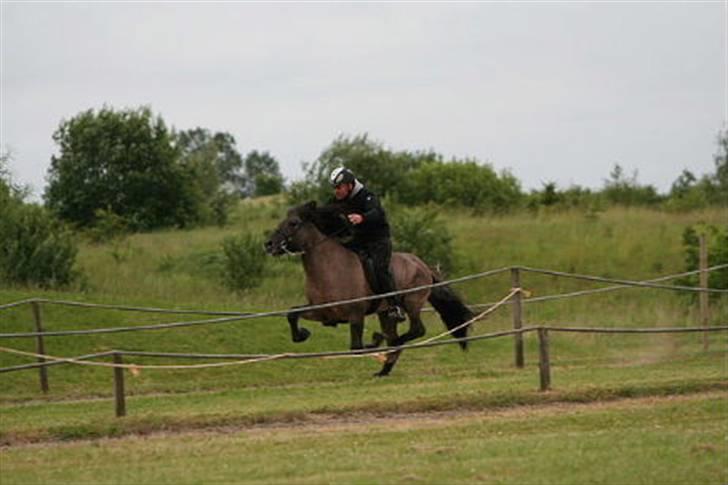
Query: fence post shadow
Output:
(40,345)
(517,316)
(544,364)
(119,386)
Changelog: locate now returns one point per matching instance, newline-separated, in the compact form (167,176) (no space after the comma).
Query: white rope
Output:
(461,279)
(237,317)
(381,355)
(135,367)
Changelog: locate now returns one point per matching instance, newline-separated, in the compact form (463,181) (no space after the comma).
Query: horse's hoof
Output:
(302,335)
(381,373)
(377,339)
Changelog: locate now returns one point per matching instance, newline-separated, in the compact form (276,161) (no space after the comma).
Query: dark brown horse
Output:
(335,273)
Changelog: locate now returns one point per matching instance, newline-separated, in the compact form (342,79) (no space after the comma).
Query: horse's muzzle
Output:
(272,248)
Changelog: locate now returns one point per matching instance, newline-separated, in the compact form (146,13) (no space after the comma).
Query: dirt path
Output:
(404,421)
(365,422)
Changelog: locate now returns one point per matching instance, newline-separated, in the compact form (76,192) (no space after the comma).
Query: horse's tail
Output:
(451,308)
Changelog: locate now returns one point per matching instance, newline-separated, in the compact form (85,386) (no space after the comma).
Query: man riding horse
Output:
(371,235)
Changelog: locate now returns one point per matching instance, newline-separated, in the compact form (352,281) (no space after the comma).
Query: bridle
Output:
(287,239)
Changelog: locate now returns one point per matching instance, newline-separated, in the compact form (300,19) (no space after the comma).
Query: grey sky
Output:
(556,91)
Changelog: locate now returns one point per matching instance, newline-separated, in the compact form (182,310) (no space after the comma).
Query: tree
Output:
(465,183)
(719,182)
(217,150)
(688,193)
(384,171)
(624,190)
(125,163)
(262,175)
(683,184)
(9,189)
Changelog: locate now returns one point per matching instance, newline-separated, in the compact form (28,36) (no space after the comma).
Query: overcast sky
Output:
(552,91)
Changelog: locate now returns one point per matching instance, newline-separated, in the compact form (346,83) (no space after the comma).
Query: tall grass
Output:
(181,269)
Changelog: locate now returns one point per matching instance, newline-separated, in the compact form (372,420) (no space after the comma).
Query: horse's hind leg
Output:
(416,330)
(392,359)
(297,334)
(377,340)
(389,327)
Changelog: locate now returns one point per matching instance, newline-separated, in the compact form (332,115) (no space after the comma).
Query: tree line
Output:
(130,165)
(126,170)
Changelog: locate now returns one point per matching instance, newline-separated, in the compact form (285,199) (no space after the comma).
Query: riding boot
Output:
(386,285)
(376,259)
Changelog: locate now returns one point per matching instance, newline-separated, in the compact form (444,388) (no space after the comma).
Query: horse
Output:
(335,273)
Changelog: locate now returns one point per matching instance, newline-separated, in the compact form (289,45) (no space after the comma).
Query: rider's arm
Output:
(373,211)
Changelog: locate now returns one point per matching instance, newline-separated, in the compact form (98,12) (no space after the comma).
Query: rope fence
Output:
(238,359)
(514,298)
(544,363)
(249,315)
(607,289)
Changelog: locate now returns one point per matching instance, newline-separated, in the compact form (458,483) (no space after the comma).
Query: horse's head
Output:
(291,236)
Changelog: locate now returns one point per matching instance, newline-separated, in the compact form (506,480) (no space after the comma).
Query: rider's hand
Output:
(356,218)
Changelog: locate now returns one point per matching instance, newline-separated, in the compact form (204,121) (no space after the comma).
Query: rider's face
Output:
(342,191)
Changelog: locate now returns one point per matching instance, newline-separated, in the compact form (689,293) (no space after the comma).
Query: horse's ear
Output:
(311,205)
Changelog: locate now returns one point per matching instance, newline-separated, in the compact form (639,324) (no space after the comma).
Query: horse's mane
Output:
(329,219)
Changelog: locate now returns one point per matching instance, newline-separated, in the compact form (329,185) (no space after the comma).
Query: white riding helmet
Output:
(341,175)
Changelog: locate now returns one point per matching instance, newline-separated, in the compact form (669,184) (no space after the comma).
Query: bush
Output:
(621,189)
(462,183)
(717,241)
(244,262)
(421,232)
(35,248)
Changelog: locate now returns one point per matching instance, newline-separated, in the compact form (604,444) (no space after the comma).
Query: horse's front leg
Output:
(297,334)
(356,328)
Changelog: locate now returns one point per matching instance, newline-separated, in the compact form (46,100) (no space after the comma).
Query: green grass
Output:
(180,269)
(671,441)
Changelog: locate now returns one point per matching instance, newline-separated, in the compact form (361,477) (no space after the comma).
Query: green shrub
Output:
(35,248)
(717,242)
(465,183)
(244,261)
(421,232)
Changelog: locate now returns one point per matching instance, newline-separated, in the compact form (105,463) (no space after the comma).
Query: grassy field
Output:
(638,441)
(652,407)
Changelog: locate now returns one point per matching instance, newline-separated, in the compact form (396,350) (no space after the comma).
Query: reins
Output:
(287,239)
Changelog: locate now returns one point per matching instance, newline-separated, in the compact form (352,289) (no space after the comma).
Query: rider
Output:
(371,236)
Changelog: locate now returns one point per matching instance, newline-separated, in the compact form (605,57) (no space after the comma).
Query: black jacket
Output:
(375,226)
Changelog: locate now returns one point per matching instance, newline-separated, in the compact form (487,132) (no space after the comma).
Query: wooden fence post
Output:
(119,386)
(517,316)
(704,309)
(544,365)
(40,346)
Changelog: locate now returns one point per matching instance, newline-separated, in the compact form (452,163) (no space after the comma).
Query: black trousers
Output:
(376,257)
